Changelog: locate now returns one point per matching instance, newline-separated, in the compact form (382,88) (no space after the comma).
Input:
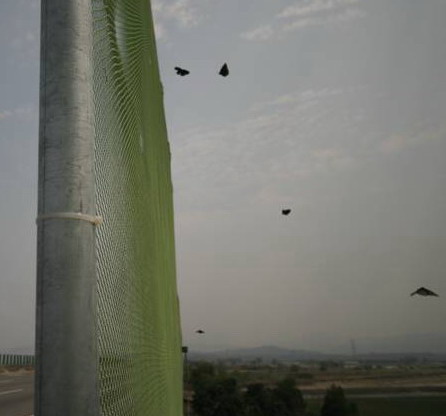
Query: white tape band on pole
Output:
(93,219)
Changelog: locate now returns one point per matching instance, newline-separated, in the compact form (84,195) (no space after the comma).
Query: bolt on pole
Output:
(66,354)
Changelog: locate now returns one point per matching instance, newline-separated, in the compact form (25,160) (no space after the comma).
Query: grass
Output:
(408,406)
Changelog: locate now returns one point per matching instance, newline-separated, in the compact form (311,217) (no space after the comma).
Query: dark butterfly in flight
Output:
(224,71)
(286,212)
(199,331)
(422,291)
(181,72)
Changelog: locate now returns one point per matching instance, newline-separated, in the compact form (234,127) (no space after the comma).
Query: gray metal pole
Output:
(66,357)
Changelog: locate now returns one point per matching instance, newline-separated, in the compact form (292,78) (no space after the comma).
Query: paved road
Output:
(16,394)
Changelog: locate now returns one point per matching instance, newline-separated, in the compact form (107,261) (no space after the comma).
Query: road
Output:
(16,394)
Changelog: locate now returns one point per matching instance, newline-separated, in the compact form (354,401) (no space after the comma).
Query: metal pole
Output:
(66,357)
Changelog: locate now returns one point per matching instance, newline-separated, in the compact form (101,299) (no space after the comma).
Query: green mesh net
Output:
(138,320)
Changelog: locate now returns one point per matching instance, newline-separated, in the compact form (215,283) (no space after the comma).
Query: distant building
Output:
(352,364)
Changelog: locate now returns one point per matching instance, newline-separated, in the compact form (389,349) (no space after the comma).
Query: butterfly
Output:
(181,72)
(422,291)
(224,71)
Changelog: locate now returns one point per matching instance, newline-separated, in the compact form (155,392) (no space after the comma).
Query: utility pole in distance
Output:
(353,347)
(66,356)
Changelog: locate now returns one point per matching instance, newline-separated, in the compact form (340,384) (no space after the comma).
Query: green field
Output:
(416,406)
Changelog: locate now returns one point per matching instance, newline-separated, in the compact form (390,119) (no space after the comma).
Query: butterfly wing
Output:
(181,72)
(430,293)
(224,71)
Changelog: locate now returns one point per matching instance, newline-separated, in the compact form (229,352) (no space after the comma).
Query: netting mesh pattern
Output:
(138,317)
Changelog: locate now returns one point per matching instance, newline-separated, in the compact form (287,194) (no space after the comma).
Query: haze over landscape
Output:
(333,108)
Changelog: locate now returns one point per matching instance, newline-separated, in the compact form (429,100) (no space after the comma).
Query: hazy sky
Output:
(334,108)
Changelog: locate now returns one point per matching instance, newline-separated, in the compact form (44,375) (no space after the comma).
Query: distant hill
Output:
(266,353)
(406,343)
(270,353)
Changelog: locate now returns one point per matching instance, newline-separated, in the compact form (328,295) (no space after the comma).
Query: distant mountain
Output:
(266,353)
(406,343)
(390,351)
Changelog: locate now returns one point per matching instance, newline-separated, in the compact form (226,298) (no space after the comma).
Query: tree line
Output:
(219,394)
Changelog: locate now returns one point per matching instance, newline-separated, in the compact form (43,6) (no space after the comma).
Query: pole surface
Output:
(66,358)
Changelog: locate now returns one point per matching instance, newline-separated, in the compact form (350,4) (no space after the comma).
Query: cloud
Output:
(393,144)
(305,98)
(33,4)
(286,143)
(262,33)
(312,7)
(308,13)
(5,114)
(344,16)
(22,113)
(280,143)
(160,30)
(184,14)
(414,136)
(26,45)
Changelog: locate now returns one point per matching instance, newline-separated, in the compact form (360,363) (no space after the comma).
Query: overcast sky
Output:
(333,108)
